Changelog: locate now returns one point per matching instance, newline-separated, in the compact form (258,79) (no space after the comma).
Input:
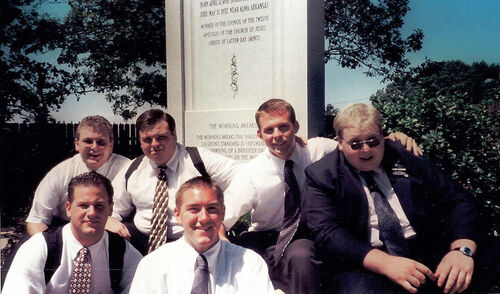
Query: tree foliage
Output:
(365,33)
(117,48)
(450,107)
(29,88)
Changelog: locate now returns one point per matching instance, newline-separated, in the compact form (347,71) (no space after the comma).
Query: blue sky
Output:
(468,30)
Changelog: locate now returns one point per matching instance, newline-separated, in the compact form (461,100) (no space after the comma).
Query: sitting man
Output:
(199,258)
(77,256)
(94,143)
(271,187)
(144,187)
(384,218)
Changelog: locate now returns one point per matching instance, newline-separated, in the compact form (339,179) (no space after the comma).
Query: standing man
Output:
(147,185)
(271,187)
(200,262)
(94,144)
(383,218)
(83,247)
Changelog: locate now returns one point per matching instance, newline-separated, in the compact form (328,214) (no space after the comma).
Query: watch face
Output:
(466,250)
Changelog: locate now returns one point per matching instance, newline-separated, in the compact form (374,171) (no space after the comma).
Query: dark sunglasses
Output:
(357,145)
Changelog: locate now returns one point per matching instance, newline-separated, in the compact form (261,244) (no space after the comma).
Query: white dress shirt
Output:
(233,269)
(26,274)
(384,184)
(260,185)
(140,189)
(52,192)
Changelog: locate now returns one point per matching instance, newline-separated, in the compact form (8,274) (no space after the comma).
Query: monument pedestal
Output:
(226,57)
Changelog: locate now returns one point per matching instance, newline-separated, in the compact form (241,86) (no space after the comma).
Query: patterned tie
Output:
(201,276)
(82,271)
(158,234)
(292,212)
(391,233)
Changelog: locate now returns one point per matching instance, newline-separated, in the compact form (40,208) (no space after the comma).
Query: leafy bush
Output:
(451,108)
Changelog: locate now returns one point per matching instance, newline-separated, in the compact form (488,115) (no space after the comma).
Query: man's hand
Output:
(222,233)
(300,141)
(405,272)
(116,226)
(34,228)
(406,141)
(456,270)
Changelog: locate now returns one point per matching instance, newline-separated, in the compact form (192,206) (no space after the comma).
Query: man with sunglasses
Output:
(383,219)
(261,187)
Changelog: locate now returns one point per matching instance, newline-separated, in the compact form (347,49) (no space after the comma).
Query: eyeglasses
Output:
(99,142)
(357,145)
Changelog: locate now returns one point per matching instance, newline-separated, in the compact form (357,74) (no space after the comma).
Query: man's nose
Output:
(155,142)
(203,216)
(91,210)
(365,146)
(277,133)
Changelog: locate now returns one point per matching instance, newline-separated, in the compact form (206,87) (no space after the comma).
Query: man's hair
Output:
(151,117)
(199,182)
(97,123)
(275,104)
(90,179)
(355,114)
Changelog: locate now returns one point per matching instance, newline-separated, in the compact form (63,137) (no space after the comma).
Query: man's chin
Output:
(93,164)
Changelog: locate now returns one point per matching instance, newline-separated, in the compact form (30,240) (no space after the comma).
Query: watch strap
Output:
(465,250)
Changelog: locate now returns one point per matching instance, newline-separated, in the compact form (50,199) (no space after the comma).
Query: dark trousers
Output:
(298,271)
(486,276)
(137,239)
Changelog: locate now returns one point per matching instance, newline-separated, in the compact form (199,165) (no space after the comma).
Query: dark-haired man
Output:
(83,245)
(200,262)
(165,161)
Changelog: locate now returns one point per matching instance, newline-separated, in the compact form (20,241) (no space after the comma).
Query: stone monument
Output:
(226,57)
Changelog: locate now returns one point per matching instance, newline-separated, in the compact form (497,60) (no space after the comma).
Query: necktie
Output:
(82,271)
(201,276)
(158,234)
(391,233)
(292,212)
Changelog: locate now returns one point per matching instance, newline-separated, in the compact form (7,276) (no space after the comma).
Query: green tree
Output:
(449,107)
(365,33)
(29,88)
(118,48)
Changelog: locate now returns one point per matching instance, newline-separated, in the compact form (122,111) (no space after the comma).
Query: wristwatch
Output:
(465,250)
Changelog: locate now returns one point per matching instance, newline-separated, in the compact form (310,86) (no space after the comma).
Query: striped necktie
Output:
(158,233)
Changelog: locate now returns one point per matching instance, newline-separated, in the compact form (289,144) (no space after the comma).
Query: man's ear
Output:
(259,134)
(296,127)
(174,134)
(339,143)
(110,212)
(177,213)
(76,144)
(68,209)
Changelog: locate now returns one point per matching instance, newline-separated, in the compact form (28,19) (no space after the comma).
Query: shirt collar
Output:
(211,255)
(379,170)
(74,245)
(279,163)
(101,170)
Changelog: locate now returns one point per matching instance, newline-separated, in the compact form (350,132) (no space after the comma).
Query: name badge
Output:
(399,170)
